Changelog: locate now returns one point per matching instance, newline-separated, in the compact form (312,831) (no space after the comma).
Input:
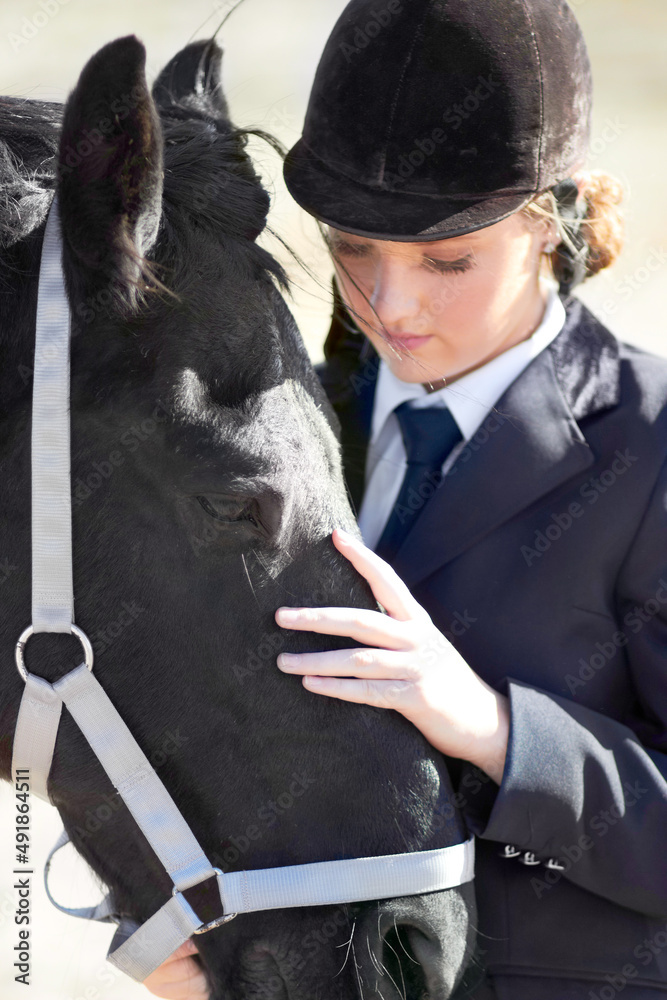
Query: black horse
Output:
(207,480)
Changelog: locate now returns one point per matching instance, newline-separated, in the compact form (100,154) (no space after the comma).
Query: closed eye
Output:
(350,249)
(449,266)
(458,266)
(229,509)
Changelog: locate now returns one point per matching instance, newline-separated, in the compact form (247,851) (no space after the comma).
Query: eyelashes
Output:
(359,251)
(349,249)
(449,266)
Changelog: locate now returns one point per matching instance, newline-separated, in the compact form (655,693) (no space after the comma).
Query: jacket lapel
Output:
(531,447)
(528,446)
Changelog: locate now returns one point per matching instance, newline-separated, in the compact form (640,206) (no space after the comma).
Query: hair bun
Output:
(603,226)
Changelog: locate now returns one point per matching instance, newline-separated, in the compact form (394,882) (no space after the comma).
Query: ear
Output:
(110,168)
(194,76)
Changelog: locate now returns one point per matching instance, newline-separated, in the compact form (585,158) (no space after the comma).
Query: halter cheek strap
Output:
(135,950)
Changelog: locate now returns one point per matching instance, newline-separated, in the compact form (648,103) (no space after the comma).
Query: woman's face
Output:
(439,309)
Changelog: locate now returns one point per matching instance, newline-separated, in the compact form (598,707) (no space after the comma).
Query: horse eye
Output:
(228,509)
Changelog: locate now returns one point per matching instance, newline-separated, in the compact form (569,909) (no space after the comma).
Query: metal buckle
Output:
(25,635)
(219,921)
(510,851)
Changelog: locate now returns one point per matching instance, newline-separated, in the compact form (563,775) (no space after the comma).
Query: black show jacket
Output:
(543,558)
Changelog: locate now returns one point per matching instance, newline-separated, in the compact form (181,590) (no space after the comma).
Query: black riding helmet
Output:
(433,118)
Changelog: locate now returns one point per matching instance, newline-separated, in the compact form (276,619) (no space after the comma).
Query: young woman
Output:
(506,457)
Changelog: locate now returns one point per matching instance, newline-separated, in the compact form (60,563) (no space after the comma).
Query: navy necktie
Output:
(429,434)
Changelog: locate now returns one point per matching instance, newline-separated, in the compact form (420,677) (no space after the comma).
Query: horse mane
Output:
(29,136)
(209,180)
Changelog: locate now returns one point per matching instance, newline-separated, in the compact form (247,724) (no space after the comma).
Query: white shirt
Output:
(469,399)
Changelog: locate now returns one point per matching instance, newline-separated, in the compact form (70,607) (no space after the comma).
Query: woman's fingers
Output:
(387,586)
(187,948)
(369,664)
(180,977)
(378,693)
(178,980)
(370,627)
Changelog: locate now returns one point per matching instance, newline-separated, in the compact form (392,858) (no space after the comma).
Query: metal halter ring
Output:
(25,635)
(224,919)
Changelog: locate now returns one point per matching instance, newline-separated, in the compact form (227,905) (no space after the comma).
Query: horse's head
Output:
(206,482)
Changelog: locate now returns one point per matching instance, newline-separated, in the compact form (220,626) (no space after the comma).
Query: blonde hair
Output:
(602,227)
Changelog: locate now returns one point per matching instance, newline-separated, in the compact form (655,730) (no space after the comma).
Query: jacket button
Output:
(529,859)
(555,865)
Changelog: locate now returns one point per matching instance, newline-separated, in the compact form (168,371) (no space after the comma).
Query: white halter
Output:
(135,950)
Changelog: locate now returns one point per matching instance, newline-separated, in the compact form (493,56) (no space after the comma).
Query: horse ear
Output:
(110,167)
(194,73)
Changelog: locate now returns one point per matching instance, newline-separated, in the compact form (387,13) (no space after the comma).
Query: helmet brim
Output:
(384,214)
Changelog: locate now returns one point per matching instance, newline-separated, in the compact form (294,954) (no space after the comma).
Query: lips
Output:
(407,341)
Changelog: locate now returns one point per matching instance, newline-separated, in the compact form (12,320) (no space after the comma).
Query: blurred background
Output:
(271,52)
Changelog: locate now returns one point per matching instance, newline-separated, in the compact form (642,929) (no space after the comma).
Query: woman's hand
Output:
(410,667)
(179,977)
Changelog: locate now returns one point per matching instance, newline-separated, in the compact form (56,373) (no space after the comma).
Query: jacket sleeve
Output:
(583,788)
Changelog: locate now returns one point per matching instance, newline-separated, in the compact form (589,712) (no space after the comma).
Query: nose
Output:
(261,976)
(394,297)
(406,951)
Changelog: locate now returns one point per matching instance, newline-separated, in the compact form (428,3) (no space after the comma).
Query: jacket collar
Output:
(527,446)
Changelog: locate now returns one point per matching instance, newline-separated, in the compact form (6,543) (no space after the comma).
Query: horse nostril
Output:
(401,965)
(261,976)
(406,949)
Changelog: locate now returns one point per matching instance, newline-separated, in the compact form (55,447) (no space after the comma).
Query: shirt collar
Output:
(470,397)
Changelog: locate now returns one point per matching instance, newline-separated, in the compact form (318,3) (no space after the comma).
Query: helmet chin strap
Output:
(135,950)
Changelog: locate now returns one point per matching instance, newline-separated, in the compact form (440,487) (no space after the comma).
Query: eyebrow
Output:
(472,237)
(449,255)
(427,247)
